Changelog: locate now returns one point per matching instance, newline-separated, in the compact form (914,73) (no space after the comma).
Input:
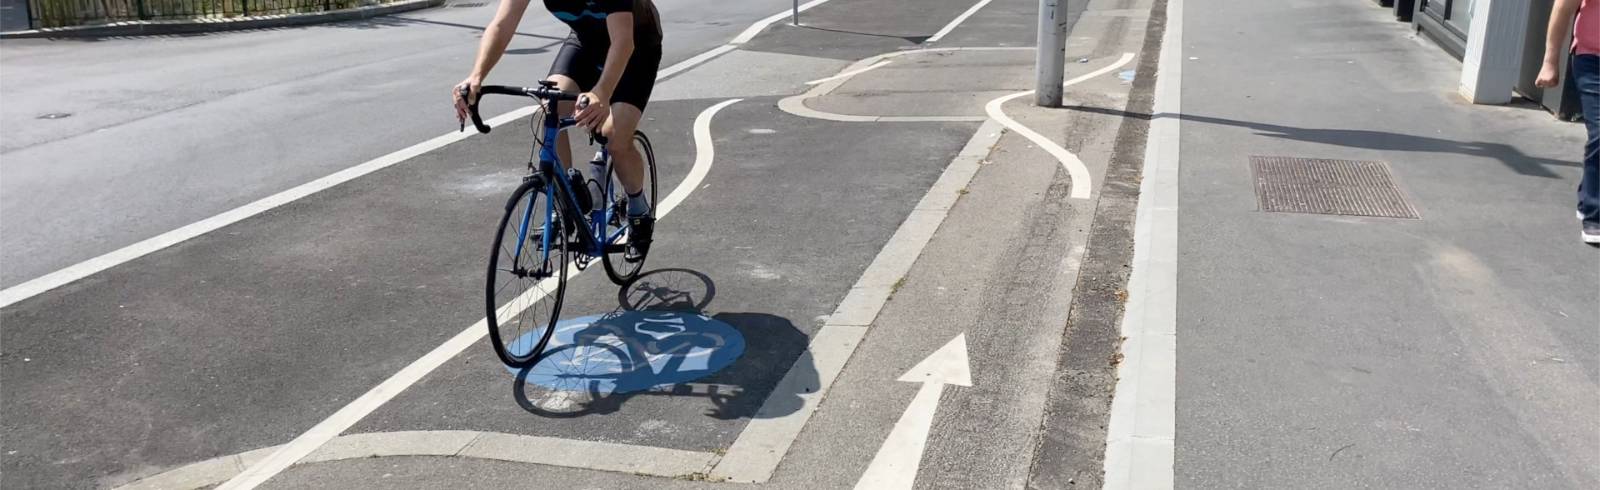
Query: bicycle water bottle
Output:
(597,186)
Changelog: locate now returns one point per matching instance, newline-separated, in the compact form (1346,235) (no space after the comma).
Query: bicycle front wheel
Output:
(616,230)
(527,276)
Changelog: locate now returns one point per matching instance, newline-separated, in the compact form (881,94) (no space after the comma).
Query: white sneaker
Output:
(1591,233)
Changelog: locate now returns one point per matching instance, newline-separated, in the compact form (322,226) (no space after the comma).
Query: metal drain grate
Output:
(1321,186)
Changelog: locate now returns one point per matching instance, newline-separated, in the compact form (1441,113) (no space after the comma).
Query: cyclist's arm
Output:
(498,36)
(619,26)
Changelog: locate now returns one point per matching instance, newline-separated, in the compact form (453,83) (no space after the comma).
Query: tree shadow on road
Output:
(659,342)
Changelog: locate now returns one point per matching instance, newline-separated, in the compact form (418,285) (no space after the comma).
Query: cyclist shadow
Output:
(658,342)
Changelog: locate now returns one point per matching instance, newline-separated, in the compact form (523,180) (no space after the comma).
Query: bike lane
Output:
(241,338)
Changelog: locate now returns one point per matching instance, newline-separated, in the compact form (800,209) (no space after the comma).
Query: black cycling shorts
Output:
(584,66)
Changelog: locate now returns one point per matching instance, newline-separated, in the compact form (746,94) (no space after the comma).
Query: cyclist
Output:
(611,57)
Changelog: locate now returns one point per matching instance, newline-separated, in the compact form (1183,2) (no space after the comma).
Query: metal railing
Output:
(62,13)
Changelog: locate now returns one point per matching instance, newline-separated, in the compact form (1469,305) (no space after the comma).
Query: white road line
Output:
(849,74)
(694,61)
(796,104)
(117,257)
(571,453)
(761,25)
(959,19)
(705,154)
(67,275)
(758,450)
(1081,185)
(895,465)
(1140,438)
(358,409)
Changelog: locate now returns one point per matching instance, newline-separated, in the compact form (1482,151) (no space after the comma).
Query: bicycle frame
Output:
(559,188)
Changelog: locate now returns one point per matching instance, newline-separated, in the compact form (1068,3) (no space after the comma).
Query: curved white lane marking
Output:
(1081,188)
(795,104)
(849,74)
(705,153)
(358,409)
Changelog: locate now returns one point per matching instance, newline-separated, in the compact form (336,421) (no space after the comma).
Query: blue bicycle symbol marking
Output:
(633,351)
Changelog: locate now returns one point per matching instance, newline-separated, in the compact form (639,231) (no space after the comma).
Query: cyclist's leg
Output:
(627,107)
(573,71)
(619,130)
(630,171)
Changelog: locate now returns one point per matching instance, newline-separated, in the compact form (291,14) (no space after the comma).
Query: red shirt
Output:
(1586,30)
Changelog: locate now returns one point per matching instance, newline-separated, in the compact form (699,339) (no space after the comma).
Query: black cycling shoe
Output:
(640,229)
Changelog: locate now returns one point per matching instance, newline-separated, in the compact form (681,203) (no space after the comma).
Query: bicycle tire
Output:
(525,208)
(619,269)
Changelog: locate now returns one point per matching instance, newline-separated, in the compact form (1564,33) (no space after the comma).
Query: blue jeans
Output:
(1585,72)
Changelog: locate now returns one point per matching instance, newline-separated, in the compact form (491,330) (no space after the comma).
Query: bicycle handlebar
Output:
(541,92)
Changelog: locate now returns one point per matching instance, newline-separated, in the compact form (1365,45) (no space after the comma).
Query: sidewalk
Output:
(1455,350)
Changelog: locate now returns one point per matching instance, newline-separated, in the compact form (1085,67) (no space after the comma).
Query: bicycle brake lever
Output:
(472,110)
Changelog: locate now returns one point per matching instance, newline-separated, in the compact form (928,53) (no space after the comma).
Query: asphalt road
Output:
(166,131)
(1450,351)
(246,337)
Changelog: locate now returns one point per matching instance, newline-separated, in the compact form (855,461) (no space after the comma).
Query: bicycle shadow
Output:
(658,342)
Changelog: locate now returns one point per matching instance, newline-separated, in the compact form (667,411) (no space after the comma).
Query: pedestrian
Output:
(1583,17)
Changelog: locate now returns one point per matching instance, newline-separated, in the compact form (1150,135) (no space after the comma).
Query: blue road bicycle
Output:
(553,219)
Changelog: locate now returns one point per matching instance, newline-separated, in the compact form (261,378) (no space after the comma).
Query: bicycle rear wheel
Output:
(526,283)
(616,231)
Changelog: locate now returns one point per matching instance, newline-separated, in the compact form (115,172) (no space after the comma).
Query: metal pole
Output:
(795,19)
(1051,53)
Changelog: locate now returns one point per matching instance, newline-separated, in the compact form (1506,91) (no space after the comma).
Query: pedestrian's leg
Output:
(1586,74)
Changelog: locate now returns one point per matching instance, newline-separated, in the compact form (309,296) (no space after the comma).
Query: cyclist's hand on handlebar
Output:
(593,109)
(473,85)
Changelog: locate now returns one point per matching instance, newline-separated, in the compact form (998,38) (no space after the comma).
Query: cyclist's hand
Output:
(473,84)
(593,109)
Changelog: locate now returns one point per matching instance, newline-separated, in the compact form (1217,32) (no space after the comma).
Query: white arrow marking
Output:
(895,466)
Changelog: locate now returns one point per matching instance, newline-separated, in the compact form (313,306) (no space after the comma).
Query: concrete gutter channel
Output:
(169,27)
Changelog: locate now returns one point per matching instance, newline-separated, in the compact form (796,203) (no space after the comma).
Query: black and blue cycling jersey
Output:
(588,20)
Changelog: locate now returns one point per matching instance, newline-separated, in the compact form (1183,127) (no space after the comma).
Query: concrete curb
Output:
(167,27)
